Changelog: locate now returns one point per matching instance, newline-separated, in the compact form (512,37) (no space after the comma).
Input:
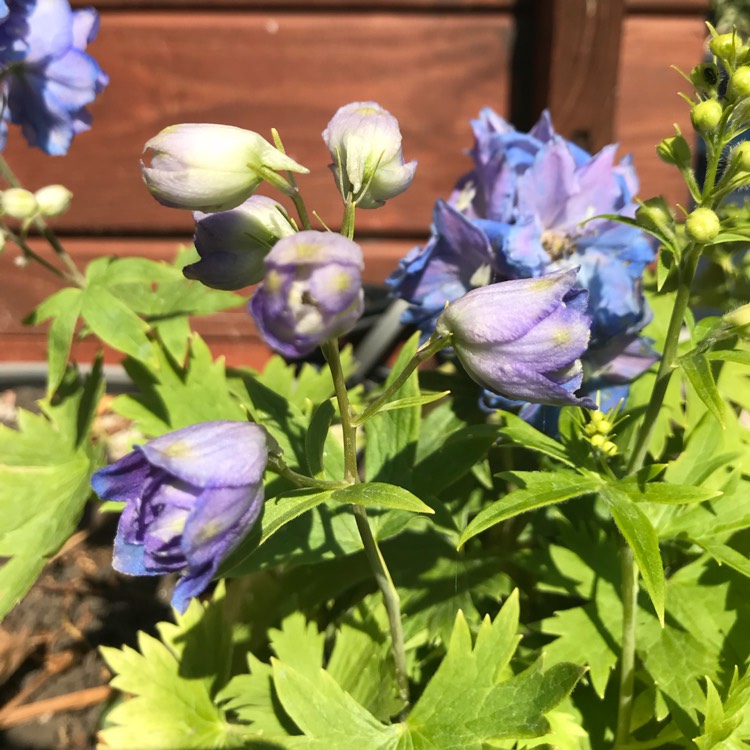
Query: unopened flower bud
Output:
(706,116)
(598,440)
(724,45)
(208,167)
(740,157)
(19,203)
(739,83)
(523,338)
(608,448)
(365,144)
(675,150)
(654,214)
(233,244)
(702,225)
(312,291)
(705,77)
(53,200)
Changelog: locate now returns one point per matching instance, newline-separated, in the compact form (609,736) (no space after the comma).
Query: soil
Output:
(53,680)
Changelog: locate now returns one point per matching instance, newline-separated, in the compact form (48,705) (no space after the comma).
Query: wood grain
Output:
(648,103)
(290,71)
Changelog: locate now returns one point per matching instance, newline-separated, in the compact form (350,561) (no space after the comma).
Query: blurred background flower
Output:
(526,209)
(48,78)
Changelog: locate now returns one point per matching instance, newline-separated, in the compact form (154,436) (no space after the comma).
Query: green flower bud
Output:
(705,77)
(609,448)
(706,116)
(675,150)
(655,214)
(739,83)
(19,203)
(740,157)
(702,225)
(724,46)
(53,200)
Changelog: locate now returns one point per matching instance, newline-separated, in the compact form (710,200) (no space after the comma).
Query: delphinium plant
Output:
(357,569)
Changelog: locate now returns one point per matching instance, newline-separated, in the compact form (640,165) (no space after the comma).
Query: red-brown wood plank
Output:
(290,71)
(230,333)
(308,5)
(648,103)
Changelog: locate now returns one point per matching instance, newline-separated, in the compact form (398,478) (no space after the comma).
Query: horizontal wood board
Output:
(292,72)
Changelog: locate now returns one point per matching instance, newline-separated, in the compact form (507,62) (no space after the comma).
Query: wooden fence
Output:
(602,67)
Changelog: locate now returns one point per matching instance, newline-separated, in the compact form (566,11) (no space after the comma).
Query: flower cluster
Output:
(48,78)
(190,497)
(525,210)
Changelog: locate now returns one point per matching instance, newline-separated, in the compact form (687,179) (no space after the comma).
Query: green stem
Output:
(293,192)
(629,573)
(372,551)
(302,480)
(29,253)
(427,350)
(347,225)
(664,373)
(72,274)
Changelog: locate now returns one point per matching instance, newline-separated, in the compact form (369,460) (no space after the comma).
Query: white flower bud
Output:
(19,203)
(53,200)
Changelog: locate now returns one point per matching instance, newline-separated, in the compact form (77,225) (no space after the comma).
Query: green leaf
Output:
(172,706)
(453,458)
(664,266)
(172,396)
(663,492)
(392,435)
(381,495)
(642,540)
(277,513)
(63,307)
(325,454)
(45,468)
(537,490)
(698,372)
(115,323)
(523,434)
(725,555)
(473,698)
(403,403)
(730,355)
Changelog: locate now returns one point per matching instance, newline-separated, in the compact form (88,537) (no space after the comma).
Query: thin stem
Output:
(302,480)
(29,253)
(629,573)
(664,373)
(427,350)
(73,274)
(347,225)
(294,192)
(372,551)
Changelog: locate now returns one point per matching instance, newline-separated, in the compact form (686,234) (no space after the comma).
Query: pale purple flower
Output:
(365,144)
(312,291)
(191,496)
(524,338)
(233,244)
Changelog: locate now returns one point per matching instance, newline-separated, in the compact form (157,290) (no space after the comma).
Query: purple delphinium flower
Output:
(365,144)
(191,496)
(233,244)
(531,197)
(312,291)
(48,77)
(523,338)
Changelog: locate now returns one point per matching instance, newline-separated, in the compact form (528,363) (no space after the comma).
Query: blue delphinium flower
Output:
(523,338)
(191,496)
(312,291)
(526,210)
(48,78)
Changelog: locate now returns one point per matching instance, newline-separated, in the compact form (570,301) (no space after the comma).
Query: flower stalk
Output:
(372,550)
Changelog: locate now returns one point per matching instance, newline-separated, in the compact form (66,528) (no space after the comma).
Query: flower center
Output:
(557,245)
